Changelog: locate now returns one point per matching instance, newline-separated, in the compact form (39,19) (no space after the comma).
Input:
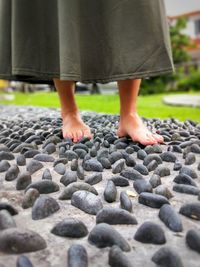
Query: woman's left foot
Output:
(133,126)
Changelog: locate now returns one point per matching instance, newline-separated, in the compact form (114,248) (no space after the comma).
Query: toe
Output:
(159,138)
(87,133)
(151,138)
(79,135)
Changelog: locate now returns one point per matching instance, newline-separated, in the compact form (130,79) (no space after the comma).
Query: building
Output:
(193,30)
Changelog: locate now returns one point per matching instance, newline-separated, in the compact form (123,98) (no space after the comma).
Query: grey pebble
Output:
(117,258)
(77,256)
(152,200)
(50,148)
(162,171)
(94,178)
(93,165)
(141,154)
(151,157)
(23,240)
(141,169)
(74,165)
(44,186)
(5,155)
(155,180)
(115,216)
(70,227)
(114,156)
(168,156)
(110,192)
(150,232)
(152,165)
(33,166)
(6,220)
(142,186)
(104,235)
(76,186)
(184,179)
(12,173)
(171,218)
(29,198)
(131,174)
(4,165)
(60,168)
(177,165)
(190,159)
(163,190)
(69,177)
(47,175)
(186,189)
(43,207)
(191,210)
(193,239)
(70,155)
(9,208)
(130,161)
(118,166)
(23,180)
(87,202)
(190,172)
(167,257)
(21,160)
(23,261)
(80,172)
(125,202)
(119,180)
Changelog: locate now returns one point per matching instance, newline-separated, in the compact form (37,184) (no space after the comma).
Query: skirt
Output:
(84,40)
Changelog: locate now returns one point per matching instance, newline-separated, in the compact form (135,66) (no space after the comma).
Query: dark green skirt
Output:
(83,40)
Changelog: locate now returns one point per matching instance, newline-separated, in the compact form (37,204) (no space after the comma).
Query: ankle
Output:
(71,112)
(129,115)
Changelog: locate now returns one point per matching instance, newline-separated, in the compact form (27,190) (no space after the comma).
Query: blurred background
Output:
(174,95)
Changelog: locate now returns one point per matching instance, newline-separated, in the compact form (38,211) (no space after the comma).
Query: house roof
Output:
(188,14)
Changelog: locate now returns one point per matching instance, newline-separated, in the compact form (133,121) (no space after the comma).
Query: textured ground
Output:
(182,144)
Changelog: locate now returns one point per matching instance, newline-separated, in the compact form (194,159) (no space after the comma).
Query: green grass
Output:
(150,106)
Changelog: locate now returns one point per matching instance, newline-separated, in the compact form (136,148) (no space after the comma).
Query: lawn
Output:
(150,106)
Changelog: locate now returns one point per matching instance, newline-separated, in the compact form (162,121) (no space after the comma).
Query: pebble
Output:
(76,186)
(94,178)
(44,186)
(115,216)
(60,160)
(70,155)
(104,235)
(141,169)
(50,148)
(102,153)
(6,220)
(167,257)
(117,258)
(44,158)
(29,198)
(93,165)
(150,232)
(114,156)
(5,155)
(176,148)
(130,161)
(142,186)
(186,189)
(193,239)
(125,202)
(74,165)
(170,218)
(23,261)
(155,180)
(168,156)
(60,168)
(12,173)
(151,157)
(70,227)
(31,153)
(80,172)
(21,160)
(141,154)
(22,241)
(9,208)
(110,192)
(4,165)
(195,148)
(152,200)
(184,179)
(81,146)
(77,256)
(131,174)
(43,207)
(120,181)
(80,152)
(47,175)
(152,165)
(118,166)
(86,201)
(23,180)
(190,159)
(33,166)
(162,171)
(190,172)
(163,190)
(105,163)
(69,177)
(191,210)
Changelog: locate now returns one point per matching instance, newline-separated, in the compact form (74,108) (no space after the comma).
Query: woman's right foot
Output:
(74,128)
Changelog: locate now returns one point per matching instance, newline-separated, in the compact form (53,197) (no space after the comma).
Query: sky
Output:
(176,7)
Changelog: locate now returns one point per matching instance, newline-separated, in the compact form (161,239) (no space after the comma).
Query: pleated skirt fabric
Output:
(90,41)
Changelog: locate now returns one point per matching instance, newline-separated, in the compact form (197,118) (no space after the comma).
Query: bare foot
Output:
(133,126)
(74,127)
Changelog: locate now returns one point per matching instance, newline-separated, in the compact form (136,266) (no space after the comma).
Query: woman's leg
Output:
(130,122)
(73,126)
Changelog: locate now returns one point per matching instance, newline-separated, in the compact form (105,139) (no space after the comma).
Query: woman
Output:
(88,41)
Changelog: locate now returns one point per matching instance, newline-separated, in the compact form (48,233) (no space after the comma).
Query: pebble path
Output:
(103,202)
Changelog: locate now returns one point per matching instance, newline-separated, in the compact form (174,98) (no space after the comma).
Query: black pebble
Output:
(77,256)
(125,202)
(167,257)
(23,180)
(117,258)
(193,239)
(152,200)
(142,186)
(191,210)
(110,192)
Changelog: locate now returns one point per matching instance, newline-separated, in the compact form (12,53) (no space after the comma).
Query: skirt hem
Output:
(33,75)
